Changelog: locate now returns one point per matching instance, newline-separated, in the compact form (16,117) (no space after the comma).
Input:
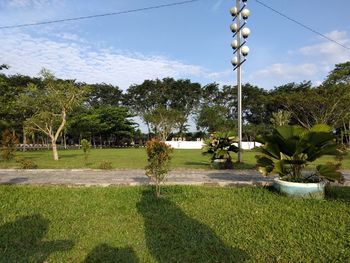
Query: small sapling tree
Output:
(159,156)
(86,146)
(9,142)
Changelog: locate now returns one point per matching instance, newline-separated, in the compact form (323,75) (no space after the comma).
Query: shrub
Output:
(105,165)
(220,146)
(26,163)
(289,149)
(159,156)
(9,142)
(86,146)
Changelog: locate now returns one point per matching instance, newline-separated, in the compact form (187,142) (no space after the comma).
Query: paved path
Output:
(81,177)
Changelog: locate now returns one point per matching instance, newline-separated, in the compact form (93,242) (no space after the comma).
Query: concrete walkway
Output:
(82,177)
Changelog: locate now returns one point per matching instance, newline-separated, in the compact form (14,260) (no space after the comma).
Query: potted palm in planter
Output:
(220,146)
(289,150)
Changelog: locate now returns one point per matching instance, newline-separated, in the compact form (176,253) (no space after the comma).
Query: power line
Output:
(99,15)
(303,25)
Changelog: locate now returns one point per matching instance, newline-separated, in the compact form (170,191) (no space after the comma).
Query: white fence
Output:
(200,144)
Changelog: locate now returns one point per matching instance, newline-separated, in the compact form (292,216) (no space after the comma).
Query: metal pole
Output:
(239,86)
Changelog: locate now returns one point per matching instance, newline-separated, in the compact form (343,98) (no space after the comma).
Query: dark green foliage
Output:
(9,143)
(220,146)
(339,75)
(106,123)
(214,119)
(158,158)
(289,149)
(105,165)
(104,95)
(178,95)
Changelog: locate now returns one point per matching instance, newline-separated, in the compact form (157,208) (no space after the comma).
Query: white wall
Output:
(249,145)
(200,144)
(186,144)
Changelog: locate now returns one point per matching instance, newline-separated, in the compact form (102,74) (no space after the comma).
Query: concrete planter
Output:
(221,164)
(304,190)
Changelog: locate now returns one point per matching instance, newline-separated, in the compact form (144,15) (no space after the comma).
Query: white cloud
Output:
(27,3)
(76,60)
(288,72)
(220,74)
(314,62)
(327,52)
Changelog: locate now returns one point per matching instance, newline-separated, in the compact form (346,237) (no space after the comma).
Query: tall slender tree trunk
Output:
(348,136)
(64,140)
(149,131)
(54,150)
(24,139)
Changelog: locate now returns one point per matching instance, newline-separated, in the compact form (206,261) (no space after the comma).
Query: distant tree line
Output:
(48,110)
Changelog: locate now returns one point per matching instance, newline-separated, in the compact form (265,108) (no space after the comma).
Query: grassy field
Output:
(128,158)
(188,224)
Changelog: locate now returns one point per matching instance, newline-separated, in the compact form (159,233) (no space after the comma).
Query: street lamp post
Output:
(240,34)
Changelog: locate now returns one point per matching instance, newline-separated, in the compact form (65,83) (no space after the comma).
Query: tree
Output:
(163,121)
(86,145)
(339,75)
(106,122)
(4,66)
(280,118)
(9,143)
(214,119)
(339,79)
(14,108)
(103,95)
(180,95)
(53,104)
(158,158)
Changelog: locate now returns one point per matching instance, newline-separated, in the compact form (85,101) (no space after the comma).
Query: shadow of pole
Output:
(172,236)
(21,240)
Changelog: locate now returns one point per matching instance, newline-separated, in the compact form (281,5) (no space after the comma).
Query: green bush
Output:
(86,146)
(105,165)
(289,149)
(26,163)
(220,146)
(9,143)
(158,157)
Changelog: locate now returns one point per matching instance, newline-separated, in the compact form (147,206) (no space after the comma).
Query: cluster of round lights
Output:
(245,32)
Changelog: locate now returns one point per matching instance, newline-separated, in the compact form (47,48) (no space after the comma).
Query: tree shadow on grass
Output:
(106,254)
(172,236)
(21,240)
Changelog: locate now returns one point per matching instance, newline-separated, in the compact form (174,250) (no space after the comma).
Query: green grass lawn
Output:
(132,158)
(188,224)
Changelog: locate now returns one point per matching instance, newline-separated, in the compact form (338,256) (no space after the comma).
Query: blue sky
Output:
(190,41)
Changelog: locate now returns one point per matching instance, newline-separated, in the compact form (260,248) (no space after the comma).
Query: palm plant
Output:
(289,149)
(220,146)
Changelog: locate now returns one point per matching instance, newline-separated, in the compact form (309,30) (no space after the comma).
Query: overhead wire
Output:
(302,25)
(170,5)
(100,15)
